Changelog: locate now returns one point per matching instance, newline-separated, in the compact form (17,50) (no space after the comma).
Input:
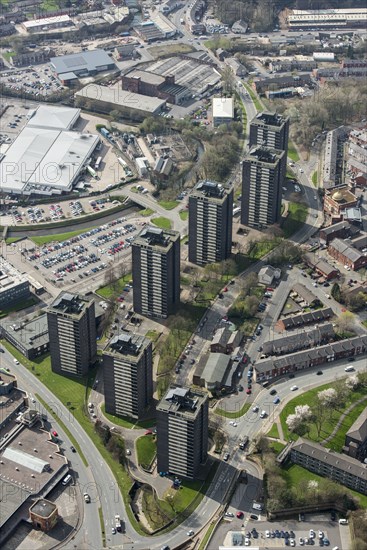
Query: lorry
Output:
(118,523)
(92,172)
(105,133)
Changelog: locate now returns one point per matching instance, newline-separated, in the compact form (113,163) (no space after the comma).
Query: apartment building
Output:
(340,468)
(182,432)
(263,175)
(156,272)
(210,223)
(128,375)
(72,330)
(270,130)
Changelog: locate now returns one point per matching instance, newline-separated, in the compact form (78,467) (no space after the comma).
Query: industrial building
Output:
(156,272)
(154,85)
(72,329)
(223,110)
(263,175)
(53,118)
(217,373)
(270,130)
(327,18)
(14,286)
(210,222)
(128,375)
(47,157)
(71,67)
(130,105)
(47,23)
(182,432)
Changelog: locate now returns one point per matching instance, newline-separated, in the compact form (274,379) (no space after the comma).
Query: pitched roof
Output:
(358,430)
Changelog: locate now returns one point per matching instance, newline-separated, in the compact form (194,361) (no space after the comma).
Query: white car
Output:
(16,361)
(263,414)
(349,368)
(190,533)
(247,541)
(312,534)
(292,542)
(267,534)
(255,409)
(321,534)
(235,424)
(301,171)
(229,515)
(294,388)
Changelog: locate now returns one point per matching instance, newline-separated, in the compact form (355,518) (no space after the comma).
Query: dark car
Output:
(254,517)
(350,358)
(1,350)
(333,515)
(273,392)
(319,373)
(73,449)
(291,376)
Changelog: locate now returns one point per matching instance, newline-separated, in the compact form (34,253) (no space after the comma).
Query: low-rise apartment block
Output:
(14,286)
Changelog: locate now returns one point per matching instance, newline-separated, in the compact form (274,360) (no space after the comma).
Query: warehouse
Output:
(46,161)
(131,105)
(56,118)
(47,23)
(223,110)
(154,85)
(69,68)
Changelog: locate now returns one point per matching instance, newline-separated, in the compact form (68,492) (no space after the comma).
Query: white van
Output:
(343,521)
(66,479)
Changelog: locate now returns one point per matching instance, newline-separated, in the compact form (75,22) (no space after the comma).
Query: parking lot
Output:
(83,255)
(318,530)
(37,82)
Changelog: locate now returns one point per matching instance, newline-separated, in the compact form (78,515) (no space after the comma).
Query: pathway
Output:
(340,421)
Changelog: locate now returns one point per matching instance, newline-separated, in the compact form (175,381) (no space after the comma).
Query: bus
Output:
(122,162)
(98,163)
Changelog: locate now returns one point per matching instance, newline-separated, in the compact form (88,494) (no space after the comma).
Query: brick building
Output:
(297,321)
(321,267)
(153,85)
(346,254)
(43,514)
(338,199)
(356,438)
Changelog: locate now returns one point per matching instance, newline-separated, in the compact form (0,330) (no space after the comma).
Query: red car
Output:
(270,289)
(148,432)
(248,391)
(225,289)
(54,433)
(239,515)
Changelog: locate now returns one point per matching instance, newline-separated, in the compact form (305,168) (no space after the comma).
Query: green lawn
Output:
(364,323)
(254,97)
(338,441)
(168,205)
(163,223)
(297,215)
(273,432)
(310,398)
(292,152)
(146,449)
(146,212)
(276,446)
(18,307)
(184,214)
(153,335)
(115,288)
(8,55)
(11,240)
(58,237)
(126,422)
(315,178)
(261,248)
(233,414)
(293,473)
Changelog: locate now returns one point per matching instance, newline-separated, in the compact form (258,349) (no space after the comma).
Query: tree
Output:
(336,292)
(328,397)
(352,382)
(346,322)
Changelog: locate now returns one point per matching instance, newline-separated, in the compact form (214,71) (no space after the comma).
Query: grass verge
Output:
(273,432)
(297,215)
(315,178)
(168,205)
(163,223)
(233,414)
(114,288)
(65,428)
(146,449)
(207,536)
(59,237)
(254,97)
(338,441)
(126,422)
(146,212)
(101,521)
(184,214)
(292,152)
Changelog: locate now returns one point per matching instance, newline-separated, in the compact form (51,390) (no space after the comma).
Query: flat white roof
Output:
(223,107)
(46,21)
(55,118)
(44,157)
(115,95)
